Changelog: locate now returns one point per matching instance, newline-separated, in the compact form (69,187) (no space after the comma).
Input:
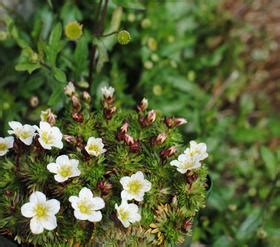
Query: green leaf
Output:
(27,67)
(81,52)
(55,35)
(102,55)
(269,161)
(59,75)
(131,4)
(250,225)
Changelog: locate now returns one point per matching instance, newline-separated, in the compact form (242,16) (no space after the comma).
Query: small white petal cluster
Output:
(41,211)
(191,157)
(5,144)
(64,168)
(107,92)
(95,146)
(134,187)
(25,133)
(128,213)
(87,207)
(49,136)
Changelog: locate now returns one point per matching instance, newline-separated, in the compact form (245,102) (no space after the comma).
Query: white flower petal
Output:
(14,125)
(45,125)
(125,195)
(98,203)
(52,167)
(62,159)
(85,193)
(49,222)
(138,175)
(37,197)
(53,206)
(36,226)
(58,145)
(59,178)
(78,215)
(10,141)
(27,210)
(95,216)
(124,181)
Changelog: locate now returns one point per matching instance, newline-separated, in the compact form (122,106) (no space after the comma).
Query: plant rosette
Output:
(112,177)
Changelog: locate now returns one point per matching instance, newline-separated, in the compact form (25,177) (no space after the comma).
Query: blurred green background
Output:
(214,62)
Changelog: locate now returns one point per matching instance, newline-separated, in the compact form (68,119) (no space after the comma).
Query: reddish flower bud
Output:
(174,122)
(151,117)
(135,147)
(187,225)
(128,139)
(70,139)
(191,177)
(86,96)
(48,116)
(105,187)
(180,121)
(143,105)
(76,103)
(124,128)
(122,131)
(108,112)
(168,152)
(78,117)
(159,139)
(169,122)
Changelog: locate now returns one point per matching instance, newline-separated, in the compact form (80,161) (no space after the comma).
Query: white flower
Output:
(185,163)
(24,132)
(128,213)
(69,89)
(42,212)
(95,146)
(49,136)
(64,168)
(5,144)
(197,151)
(87,207)
(134,187)
(107,92)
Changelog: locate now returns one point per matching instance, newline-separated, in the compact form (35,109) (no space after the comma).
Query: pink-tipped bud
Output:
(128,139)
(109,112)
(143,105)
(86,96)
(166,153)
(70,139)
(69,89)
(159,139)
(135,147)
(187,225)
(124,128)
(180,121)
(151,117)
(48,116)
(76,103)
(105,187)
(78,117)
(169,122)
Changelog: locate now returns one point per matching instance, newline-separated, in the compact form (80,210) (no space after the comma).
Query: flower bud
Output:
(76,103)
(124,127)
(107,92)
(166,153)
(122,131)
(128,139)
(151,117)
(69,89)
(187,225)
(135,147)
(180,121)
(108,112)
(174,122)
(86,96)
(159,139)
(123,37)
(143,105)
(70,139)
(78,117)
(34,101)
(48,116)
(105,187)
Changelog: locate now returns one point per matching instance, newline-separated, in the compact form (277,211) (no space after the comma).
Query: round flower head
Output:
(41,211)
(95,146)
(25,132)
(127,213)
(124,37)
(197,151)
(5,144)
(73,30)
(49,136)
(185,163)
(64,168)
(87,207)
(134,187)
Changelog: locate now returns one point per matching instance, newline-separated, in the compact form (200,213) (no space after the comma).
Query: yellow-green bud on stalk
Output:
(34,101)
(34,57)
(73,30)
(124,37)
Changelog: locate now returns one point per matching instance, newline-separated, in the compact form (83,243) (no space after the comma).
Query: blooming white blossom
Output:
(49,136)
(25,132)
(185,163)
(107,92)
(41,211)
(64,168)
(134,187)
(127,213)
(87,207)
(95,146)
(5,144)
(197,151)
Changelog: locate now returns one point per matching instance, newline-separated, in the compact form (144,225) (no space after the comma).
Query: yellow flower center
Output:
(194,152)
(65,171)
(123,214)
(94,148)
(46,137)
(187,165)
(84,208)
(24,134)
(134,187)
(40,211)
(73,30)
(3,146)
